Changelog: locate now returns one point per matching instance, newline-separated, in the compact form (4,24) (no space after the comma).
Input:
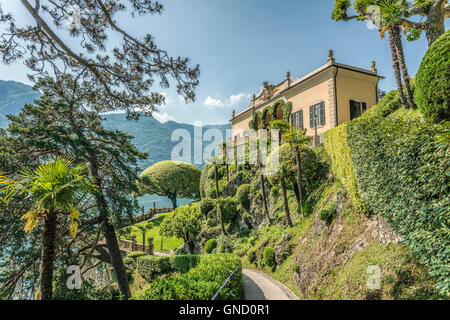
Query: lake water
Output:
(161,202)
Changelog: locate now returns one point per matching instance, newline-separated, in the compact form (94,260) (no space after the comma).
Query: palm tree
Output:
(220,202)
(216,162)
(225,160)
(144,228)
(55,188)
(283,173)
(297,139)
(391,19)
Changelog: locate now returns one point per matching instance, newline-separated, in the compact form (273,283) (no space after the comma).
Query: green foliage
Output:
(206,206)
(180,252)
(225,244)
(136,254)
(327,214)
(243,196)
(183,223)
(251,255)
(200,282)
(269,257)
(150,267)
(129,275)
(183,263)
(394,166)
(130,263)
(210,245)
(433,81)
(171,179)
(229,209)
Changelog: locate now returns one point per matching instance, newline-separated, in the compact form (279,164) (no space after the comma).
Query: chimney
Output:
(288,76)
(373,67)
(234,114)
(331,57)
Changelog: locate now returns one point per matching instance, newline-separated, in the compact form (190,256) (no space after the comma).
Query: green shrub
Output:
(397,166)
(130,263)
(229,210)
(269,257)
(433,81)
(206,206)
(210,245)
(225,245)
(243,196)
(200,282)
(251,256)
(184,263)
(327,214)
(150,267)
(297,269)
(136,254)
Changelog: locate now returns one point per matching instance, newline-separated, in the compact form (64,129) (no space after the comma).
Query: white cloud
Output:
(211,102)
(163,117)
(231,101)
(168,99)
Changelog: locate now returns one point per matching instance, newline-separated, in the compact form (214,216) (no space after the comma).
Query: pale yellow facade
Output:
(334,85)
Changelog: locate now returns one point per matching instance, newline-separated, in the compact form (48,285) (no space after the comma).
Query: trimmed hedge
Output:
(151,267)
(206,206)
(200,282)
(136,254)
(433,81)
(210,245)
(397,166)
(243,196)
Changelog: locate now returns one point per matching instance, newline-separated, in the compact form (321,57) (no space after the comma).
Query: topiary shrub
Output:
(243,196)
(136,254)
(229,210)
(206,206)
(129,275)
(210,245)
(150,267)
(433,81)
(184,263)
(269,257)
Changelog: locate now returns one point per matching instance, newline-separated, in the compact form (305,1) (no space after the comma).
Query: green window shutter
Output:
(301,119)
(311,116)
(352,110)
(364,107)
(322,113)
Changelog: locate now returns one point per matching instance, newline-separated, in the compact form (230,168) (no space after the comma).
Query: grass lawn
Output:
(168,243)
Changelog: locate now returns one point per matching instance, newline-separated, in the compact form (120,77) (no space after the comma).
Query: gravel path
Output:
(259,286)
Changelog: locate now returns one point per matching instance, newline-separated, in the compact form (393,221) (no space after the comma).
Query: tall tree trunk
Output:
(396,66)
(221,219)
(295,188)
(143,241)
(401,59)
(299,177)
(285,201)
(216,178)
(48,255)
(263,188)
(110,234)
(173,199)
(435,24)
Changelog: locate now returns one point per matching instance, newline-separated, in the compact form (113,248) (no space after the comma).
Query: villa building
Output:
(327,97)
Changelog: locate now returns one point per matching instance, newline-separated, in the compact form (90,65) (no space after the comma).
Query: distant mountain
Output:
(13,96)
(154,137)
(149,134)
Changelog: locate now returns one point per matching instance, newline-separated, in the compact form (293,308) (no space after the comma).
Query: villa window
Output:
(317,112)
(297,119)
(357,108)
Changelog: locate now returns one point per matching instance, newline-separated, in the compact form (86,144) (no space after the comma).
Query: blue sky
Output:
(241,43)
